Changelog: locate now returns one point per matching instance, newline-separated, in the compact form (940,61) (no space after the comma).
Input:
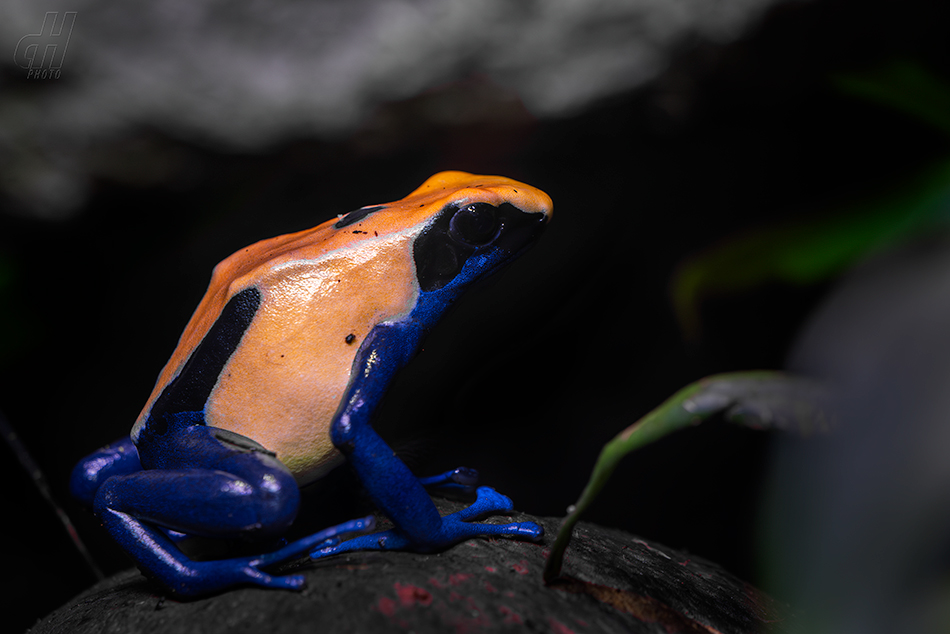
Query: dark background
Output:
(532,373)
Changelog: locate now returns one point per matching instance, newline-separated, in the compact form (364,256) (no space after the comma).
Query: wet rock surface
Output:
(612,582)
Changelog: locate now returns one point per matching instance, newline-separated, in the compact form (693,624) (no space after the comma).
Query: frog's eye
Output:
(446,245)
(475,224)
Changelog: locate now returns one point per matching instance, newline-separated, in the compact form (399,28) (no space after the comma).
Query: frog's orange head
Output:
(471,225)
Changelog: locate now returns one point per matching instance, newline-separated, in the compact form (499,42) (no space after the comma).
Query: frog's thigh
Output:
(236,492)
(118,458)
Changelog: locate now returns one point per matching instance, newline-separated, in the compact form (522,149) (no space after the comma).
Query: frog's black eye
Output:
(475,224)
(456,233)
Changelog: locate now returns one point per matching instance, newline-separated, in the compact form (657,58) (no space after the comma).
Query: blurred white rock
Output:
(249,74)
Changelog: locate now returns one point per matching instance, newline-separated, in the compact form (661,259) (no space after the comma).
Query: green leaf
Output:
(754,399)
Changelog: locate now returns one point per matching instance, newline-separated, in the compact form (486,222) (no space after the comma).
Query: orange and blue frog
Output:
(277,375)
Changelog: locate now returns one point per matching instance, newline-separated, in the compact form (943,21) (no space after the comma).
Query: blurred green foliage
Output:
(813,249)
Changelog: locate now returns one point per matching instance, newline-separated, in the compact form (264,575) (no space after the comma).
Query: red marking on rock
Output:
(409,595)
(454,596)
(559,628)
(685,563)
(521,567)
(435,583)
(387,606)
(510,616)
(459,577)
(510,593)
(491,569)
(581,622)
(489,587)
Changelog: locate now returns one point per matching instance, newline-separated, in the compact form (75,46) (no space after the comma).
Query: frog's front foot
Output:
(456,527)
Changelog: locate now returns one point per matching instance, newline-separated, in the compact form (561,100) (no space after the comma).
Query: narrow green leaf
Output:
(754,399)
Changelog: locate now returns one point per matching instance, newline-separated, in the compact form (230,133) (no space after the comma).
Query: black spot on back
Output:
(355,216)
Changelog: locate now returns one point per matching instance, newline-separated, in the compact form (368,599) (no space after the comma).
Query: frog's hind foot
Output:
(162,561)
(456,527)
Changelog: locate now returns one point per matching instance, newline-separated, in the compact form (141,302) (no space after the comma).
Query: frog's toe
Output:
(318,542)
(456,530)
(460,480)
(206,577)
(386,540)
(285,582)
(521,530)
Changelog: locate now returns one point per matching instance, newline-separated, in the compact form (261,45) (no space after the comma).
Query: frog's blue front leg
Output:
(392,486)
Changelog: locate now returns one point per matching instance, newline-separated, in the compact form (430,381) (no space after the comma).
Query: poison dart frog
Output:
(276,377)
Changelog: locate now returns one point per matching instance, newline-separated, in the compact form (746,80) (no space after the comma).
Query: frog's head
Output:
(477,224)
(461,227)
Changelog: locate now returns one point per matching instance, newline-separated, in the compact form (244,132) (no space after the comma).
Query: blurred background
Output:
(741,184)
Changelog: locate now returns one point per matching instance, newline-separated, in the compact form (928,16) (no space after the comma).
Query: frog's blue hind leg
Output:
(159,557)
(207,487)
(391,485)
(118,458)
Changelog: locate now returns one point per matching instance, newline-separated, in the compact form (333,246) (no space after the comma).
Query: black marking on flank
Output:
(189,391)
(355,216)
(350,338)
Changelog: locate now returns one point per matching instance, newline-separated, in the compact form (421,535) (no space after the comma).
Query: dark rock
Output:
(614,582)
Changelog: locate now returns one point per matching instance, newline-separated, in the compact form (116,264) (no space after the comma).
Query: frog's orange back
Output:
(321,292)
